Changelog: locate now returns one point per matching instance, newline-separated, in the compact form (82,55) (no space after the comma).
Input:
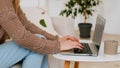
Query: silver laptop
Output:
(92,48)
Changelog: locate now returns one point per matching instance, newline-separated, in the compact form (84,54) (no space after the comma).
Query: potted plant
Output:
(83,7)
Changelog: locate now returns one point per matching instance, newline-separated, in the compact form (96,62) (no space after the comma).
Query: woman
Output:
(24,44)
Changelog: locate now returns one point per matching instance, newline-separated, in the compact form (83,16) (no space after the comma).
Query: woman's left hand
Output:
(72,38)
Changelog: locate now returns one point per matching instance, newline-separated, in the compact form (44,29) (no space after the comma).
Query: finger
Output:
(76,45)
(80,45)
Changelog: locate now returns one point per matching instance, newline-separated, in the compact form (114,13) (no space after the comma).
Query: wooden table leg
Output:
(76,65)
(67,64)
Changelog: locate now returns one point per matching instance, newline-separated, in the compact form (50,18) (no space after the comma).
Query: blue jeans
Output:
(11,53)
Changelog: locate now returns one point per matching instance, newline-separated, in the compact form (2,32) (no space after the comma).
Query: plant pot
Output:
(85,30)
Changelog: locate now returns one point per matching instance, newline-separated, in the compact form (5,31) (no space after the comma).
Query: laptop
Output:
(91,48)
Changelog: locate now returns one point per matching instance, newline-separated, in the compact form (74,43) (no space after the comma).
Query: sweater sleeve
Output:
(15,29)
(31,27)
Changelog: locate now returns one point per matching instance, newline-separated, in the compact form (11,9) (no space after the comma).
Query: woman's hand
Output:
(68,37)
(69,42)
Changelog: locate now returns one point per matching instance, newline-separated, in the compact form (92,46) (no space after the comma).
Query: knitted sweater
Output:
(22,31)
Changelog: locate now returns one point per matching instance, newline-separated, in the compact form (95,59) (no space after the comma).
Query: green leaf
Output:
(42,22)
(75,7)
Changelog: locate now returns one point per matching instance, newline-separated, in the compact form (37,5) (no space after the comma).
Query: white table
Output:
(100,58)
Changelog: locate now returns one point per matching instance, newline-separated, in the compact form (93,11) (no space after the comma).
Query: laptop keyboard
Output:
(85,50)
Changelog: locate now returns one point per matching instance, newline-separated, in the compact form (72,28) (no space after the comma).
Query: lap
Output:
(11,46)
(11,53)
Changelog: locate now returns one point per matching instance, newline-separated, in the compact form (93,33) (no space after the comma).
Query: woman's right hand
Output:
(69,44)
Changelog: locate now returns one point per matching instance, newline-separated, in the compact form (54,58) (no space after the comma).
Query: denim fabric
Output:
(11,53)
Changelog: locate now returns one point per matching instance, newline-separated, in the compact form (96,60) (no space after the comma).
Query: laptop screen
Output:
(98,32)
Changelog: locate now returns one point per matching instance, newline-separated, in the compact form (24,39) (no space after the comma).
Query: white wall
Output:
(112,15)
(109,9)
(55,7)
(34,3)
(29,3)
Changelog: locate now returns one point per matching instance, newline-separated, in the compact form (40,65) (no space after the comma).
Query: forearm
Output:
(40,45)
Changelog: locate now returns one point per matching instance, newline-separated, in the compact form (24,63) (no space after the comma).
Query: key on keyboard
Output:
(85,50)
